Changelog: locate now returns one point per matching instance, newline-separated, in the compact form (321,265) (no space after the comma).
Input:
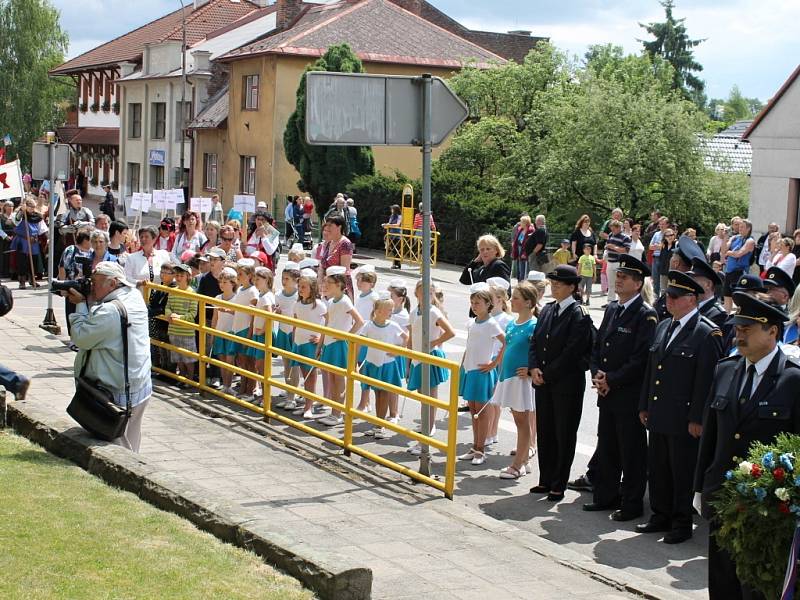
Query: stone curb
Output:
(329,575)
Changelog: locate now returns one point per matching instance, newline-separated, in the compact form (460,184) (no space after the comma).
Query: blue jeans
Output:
(10,379)
(655,277)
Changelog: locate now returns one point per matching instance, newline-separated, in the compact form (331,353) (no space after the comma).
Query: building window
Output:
(135,123)
(210,170)
(133,177)
(159,115)
(181,123)
(156,178)
(248,179)
(250,92)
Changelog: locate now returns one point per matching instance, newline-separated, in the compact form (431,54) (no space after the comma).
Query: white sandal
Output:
(512,472)
(468,455)
(479,458)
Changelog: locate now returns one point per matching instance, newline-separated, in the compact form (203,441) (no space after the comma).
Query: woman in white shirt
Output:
(719,238)
(783,258)
(145,265)
(637,248)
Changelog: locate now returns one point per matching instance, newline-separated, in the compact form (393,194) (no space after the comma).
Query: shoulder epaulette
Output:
(733,358)
(584,310)
(653,318)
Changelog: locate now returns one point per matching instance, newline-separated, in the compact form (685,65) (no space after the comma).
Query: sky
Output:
(749,43)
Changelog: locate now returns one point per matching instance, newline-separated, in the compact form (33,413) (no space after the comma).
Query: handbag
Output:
(93,405)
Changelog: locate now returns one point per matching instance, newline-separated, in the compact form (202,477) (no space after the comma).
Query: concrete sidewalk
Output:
(344,527)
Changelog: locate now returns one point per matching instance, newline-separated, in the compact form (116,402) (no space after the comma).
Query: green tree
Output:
(673,44)
(30,101)
(325,170)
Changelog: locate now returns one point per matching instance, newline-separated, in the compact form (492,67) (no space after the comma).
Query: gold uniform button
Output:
(736,436)
(655,398)
(774,414)
(605,360)
(607,344)
(658,382)
(659,367)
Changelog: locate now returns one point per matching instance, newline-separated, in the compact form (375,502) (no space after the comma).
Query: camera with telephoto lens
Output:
(83,286)
(79,284)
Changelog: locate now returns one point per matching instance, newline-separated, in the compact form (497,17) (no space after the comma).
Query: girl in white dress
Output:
(501,312)
(398,292)
(311,309)
(284,305)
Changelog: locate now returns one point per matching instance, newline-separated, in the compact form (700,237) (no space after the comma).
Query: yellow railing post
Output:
(201,339)
(452,432)
(266,388)
(349,386)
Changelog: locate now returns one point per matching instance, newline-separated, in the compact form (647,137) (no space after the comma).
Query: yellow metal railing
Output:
(351,374)
(405,244)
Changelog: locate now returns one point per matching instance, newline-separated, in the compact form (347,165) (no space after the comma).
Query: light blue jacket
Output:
(98,329)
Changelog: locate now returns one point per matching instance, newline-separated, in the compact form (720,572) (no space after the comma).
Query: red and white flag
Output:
(11,181)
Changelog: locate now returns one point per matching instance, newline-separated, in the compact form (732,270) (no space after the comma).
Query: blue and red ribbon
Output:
(791,569)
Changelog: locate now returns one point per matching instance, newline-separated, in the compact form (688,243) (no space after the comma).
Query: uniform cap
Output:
(777,277)
(701,268)
(749,283)
(633,266)
(681,284)
(565,274)
(688,250)
(752,310)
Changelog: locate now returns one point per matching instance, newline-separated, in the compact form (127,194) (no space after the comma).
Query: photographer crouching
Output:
(96,331)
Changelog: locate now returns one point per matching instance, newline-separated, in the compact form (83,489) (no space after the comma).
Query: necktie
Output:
(672,328)
(620,310)
(747,390)
(558,310)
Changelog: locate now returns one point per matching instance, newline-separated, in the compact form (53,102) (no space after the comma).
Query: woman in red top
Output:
(335,249)
(519,260)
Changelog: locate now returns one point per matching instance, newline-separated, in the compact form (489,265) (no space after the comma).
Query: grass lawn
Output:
(65,534)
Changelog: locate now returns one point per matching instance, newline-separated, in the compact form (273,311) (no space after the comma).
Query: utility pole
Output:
(182,115)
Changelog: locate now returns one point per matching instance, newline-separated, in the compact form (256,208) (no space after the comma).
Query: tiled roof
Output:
(736,130)
(214,114)
(377,31)
(94,136)
(727,154)
(200,22)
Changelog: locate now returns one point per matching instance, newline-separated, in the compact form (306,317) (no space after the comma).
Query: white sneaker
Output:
(479,458)
(318,408)
(290,404)
(382,433)
(216,383)
(298,411)
(331,421)
(394,420)
(309,415)
(468,455)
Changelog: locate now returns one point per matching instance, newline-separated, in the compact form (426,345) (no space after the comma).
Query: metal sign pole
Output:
(425,387)
(50,324)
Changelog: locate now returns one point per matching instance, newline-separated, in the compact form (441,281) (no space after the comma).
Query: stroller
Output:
(307,241)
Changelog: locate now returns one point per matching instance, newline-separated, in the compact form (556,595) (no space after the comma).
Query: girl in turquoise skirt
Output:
(224,349)
(478,368)
(341,316)
(440,331)
(266,302)
(311,309)
(284,305)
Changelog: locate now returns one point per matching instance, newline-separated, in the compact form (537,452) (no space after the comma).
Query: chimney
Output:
(202,60)
(288,10)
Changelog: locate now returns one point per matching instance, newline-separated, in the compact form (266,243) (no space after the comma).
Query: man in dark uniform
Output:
(754,397)
(685,251)
(680,368)
(748,284)
(779,286)
(708,305)
(617,366)
(558,360)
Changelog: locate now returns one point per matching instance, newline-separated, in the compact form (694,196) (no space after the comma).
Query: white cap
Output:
(308,273)
(365,269)
(112,270)
(291,266)
(335,270)
(216,253)
(306,263)
(399,284)
(536,276)
(481,286)
(261,204)
(228,272)
(384,295)
(498,281)
(297,248)
(246,262)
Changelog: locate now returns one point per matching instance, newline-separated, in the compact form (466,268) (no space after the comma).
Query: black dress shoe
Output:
(676,536)
(540,489)
(596,506)
(464,408)
(626,515)
(580,484)
(651,527)
(555,497)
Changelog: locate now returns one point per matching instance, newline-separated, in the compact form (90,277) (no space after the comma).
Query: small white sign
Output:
(201,205)
(140,202)
(244,203)
(160,199)
(178,195)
